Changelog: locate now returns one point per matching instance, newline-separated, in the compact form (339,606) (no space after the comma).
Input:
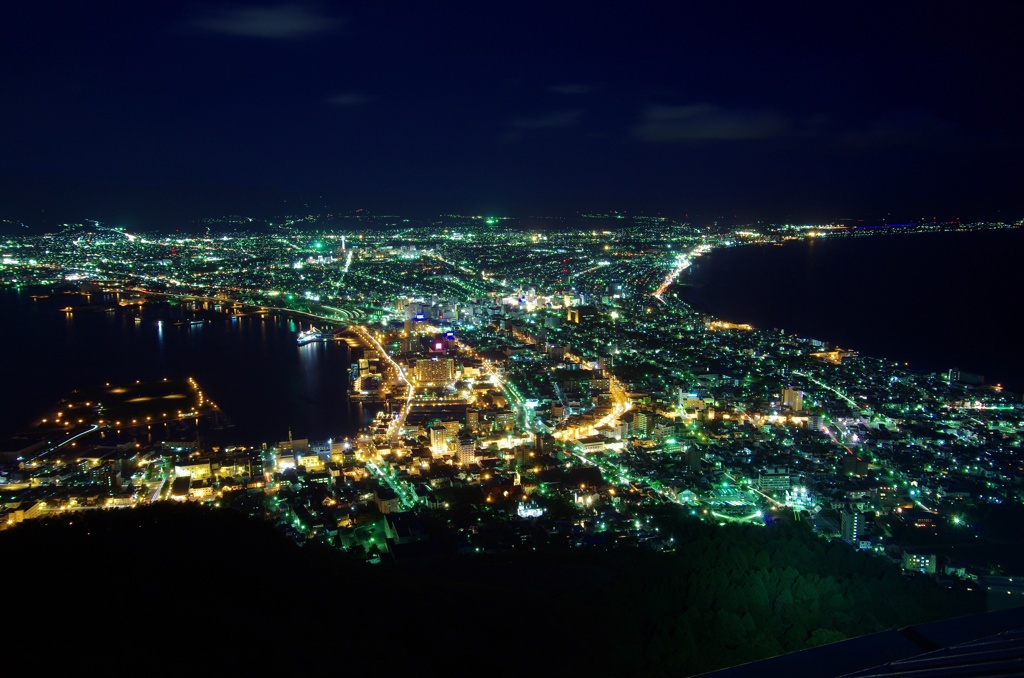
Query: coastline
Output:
(252,369)
(808,297)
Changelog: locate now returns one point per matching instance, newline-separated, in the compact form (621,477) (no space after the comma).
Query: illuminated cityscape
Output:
(513,382)
(470,338)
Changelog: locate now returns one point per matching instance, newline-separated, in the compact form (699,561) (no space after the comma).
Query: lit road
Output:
(850,401)
(529,417)
(682,264)
(623,475)
(154,496)
(753,489)
(395,428)
(405,494)
(620,406)
(92,427)
(619,473)
(828,432)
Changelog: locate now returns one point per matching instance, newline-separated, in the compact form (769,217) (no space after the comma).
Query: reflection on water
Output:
(249,365)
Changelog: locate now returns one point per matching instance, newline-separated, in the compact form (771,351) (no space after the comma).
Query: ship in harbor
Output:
(308,336)
(313,334)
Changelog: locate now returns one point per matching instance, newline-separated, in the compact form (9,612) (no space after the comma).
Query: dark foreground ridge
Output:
(986,644)
(218,591)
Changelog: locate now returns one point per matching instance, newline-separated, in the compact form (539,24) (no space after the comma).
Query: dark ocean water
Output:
(250,366)
(934,300)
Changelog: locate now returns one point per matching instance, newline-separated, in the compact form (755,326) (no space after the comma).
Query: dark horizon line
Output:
(45,205)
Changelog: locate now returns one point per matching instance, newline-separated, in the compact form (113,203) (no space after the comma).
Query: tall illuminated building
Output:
(435,371)
(793,399)
(851,525)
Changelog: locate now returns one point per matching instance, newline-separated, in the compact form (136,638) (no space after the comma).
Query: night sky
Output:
(150,112)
